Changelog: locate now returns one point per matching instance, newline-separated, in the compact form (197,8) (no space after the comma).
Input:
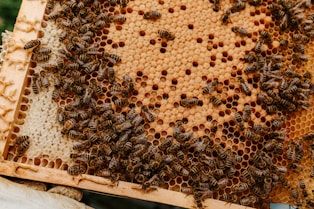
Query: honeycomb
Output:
(3,48)
(210,99)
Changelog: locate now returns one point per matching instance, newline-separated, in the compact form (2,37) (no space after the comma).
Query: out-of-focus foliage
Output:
(8,13)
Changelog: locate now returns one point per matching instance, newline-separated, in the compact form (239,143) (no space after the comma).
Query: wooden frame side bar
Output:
(99,184)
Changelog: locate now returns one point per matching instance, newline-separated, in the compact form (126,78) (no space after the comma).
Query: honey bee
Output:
(268,185)
(124,3)
(251,68)
(254,171)
(101,74)
(41,50)
(301,184)
(271,145)
(166,143)
(175,148)
(300,57)
(277,58)
(265,36)
(296,37)
(307,75)
(66,54)
(81,145)
(140,178)
(97,89)
(241,187)
(50,4)
(90,67)
(228,198)
(250,57)
(121,102)
(84,157)
(264,98)
(310,202)
(137,120)
(278,122)
(210,87)
(21,139)
(99,24)
(35,85)
(238,117)
(32,43)
(188,102)
(76,22)
(44,79)
(73,134)
(279,148)
(255,2)
(115,58)
(284,43)
(250,200)
(22,147)
(59,63)
(299,48)
(223,182)
(165,34)
(216,5)
(294,193)
(248,178)
(281,169)
(177,168)
(194,170)
(244,87)
(299,152)
(149,115)
(237,7)
(41,57)
(312,172)
(76,169)
(152,15)
(119,19)
(68,125)
(239,30)
(226,17)
(87,95)
(295,167)
(214,127)
(215,101)
(103,173)
(258,47)
(187,190)
(247,113)
(113,163)
(184,136)
(249,134)
(106,149)
(124,126)
(271,109)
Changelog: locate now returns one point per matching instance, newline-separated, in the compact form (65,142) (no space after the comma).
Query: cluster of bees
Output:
(112,142)
(22,143)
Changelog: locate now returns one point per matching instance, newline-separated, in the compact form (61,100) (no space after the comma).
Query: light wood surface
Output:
(15,65)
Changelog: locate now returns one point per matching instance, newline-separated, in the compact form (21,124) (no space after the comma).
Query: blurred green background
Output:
(8,14)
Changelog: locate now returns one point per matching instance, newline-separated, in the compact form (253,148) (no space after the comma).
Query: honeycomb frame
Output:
(26,27)
(77,180)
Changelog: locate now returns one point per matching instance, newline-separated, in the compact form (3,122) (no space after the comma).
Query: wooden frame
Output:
(12,82)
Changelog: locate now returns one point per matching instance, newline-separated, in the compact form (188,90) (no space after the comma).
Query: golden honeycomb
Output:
(210,99)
